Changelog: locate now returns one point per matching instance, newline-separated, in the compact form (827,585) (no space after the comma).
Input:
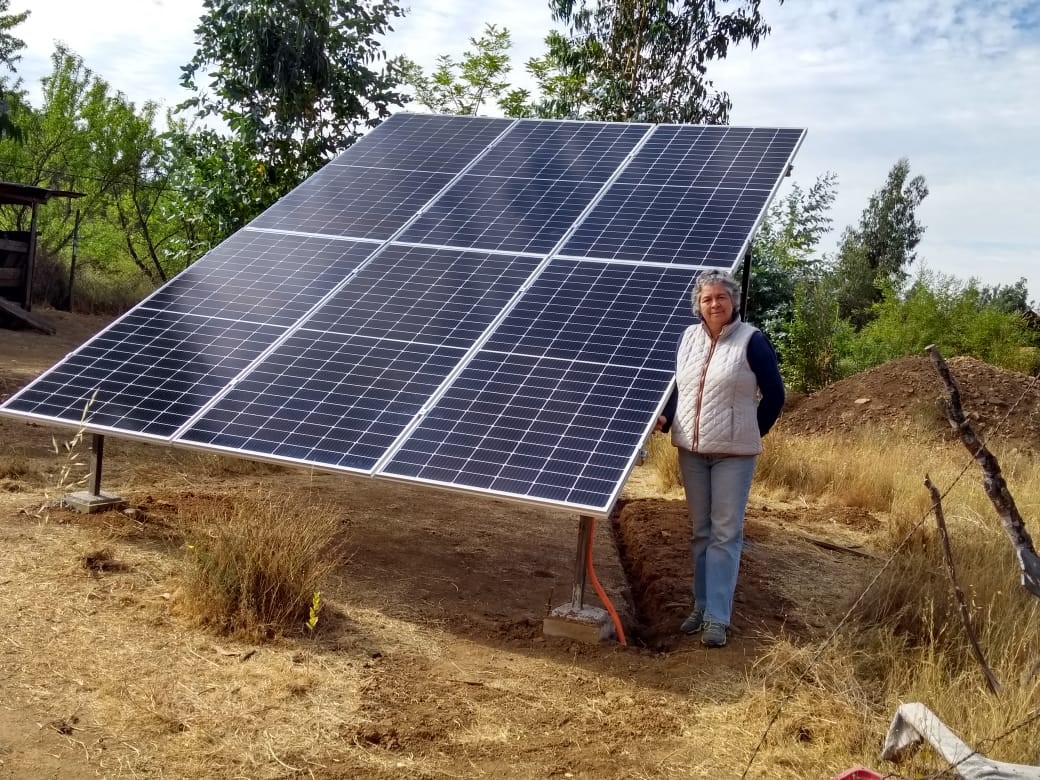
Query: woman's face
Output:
(716,306)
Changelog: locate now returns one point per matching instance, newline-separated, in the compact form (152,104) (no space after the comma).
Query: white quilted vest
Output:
(718,392)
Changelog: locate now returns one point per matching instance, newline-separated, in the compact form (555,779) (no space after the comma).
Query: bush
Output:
(256,565)
(941,310)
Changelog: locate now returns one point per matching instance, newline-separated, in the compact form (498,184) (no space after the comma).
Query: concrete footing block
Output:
(87,503)
(591,625)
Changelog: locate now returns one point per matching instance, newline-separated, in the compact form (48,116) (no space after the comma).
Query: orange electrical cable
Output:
(599,588)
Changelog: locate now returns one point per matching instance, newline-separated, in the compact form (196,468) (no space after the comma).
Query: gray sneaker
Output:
(694,623)
(714,635)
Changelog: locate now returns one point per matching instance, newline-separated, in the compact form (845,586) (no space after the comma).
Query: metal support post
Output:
(576,620)
(745,284)
(93,499)
(97,452)
(580,573)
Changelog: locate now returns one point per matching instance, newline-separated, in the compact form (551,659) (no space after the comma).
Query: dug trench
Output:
(784,560)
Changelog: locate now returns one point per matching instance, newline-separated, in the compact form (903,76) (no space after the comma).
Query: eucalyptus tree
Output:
(876,253)
(642,60)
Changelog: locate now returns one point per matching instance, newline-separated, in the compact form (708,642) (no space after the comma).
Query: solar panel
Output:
(381,182)
(561,390)
(529,190)
(326,399)
(435,296)
(147,374)
(161,363)
(345,385)
(484,304)
(692,195)
(537,428)
(272,279)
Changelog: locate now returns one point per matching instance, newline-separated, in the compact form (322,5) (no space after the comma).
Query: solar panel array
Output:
(485,304)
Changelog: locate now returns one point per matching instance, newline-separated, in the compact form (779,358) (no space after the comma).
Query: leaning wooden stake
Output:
(962,605)
(992,480)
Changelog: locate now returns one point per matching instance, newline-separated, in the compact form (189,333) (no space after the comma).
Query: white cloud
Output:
(138,47)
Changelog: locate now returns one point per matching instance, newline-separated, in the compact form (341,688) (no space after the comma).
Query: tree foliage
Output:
(90,139)
(958,317)
(9,48)
(816,341)
(877,253)
(464,86)
(642,60)
(786,253)
(295,81)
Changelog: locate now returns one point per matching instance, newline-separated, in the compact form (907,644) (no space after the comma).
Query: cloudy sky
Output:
(952,85)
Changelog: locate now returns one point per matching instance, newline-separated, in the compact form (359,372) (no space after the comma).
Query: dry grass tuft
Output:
(256,565)
(16,468)
(906,641)
(662,462)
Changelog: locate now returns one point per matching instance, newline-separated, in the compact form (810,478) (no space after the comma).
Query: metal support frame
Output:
(745,284)
(580,570)
(576,620)
(97,453)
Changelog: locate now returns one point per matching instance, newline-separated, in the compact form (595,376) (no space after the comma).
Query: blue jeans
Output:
(717,490)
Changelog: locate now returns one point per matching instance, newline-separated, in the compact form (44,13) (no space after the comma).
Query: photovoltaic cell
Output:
(148,373)
(539,428)
(436,296)
(326,399)
(260,277)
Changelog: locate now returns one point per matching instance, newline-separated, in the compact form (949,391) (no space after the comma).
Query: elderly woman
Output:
(728,395)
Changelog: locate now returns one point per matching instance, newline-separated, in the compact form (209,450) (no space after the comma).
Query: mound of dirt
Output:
(907,394)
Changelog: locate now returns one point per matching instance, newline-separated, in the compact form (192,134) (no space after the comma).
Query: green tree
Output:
(878,252)
(785,253)
(216,187)
(464,86)
(87,138)
(642,60)
(816,343)
(1010,298)
(9,48)
(295,81)
(939,309)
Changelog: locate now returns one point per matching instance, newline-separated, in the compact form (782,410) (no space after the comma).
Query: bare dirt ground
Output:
(430,660)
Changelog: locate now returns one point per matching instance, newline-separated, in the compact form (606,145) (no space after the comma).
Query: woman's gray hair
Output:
(713,277)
